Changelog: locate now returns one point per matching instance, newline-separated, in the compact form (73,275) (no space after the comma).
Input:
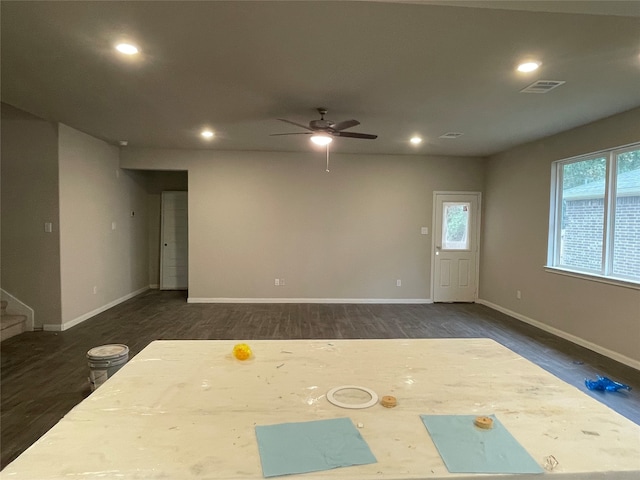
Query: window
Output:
(455,231)
(595,214)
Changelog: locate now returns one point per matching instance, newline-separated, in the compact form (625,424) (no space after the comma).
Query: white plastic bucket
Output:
(104,361)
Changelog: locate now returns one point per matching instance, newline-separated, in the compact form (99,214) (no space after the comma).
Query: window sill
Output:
(594,278)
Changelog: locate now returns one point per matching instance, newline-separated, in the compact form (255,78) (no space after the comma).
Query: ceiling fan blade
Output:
(294,123)
(366,136)
(293,133)
(346,124)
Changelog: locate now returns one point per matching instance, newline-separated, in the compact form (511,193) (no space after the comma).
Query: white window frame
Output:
(605,274)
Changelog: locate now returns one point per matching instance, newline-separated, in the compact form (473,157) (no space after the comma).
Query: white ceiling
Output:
(400,68)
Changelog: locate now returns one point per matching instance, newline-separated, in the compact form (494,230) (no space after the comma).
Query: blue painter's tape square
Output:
(465,448)
(302,447)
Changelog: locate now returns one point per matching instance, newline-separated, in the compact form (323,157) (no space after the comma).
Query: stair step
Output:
(7,320)
(11,325)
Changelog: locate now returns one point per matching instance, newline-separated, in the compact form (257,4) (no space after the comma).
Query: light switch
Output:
(113,225)
(424,231)
(48,227)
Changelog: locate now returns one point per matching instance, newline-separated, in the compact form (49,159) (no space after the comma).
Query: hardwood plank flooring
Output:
(44,374)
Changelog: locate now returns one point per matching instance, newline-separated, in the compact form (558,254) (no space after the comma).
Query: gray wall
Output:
(258,216)
(54,173)
(30,257)
(347,234)
(94,194)
(514,243)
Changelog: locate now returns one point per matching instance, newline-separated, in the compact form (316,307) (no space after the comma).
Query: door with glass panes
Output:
(455,246)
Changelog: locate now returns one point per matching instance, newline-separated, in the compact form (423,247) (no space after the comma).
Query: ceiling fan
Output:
(327,127)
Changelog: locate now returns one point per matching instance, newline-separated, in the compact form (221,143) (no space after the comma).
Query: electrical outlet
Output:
(95,290)
(398,283)
(282,282)
(276,282)
(518,294)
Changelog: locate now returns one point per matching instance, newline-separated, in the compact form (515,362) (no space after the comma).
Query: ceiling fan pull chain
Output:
(327,158)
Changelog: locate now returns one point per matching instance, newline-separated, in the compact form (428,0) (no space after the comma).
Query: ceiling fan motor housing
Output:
(321,124)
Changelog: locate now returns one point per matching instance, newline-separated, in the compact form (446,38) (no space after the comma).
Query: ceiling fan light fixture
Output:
(415,140)
(321,139)
(207,134)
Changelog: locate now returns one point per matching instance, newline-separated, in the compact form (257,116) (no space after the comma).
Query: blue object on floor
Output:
(605,384)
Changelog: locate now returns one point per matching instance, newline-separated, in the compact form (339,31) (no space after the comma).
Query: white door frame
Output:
(477,233)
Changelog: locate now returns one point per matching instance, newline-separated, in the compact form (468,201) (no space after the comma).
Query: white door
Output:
(174,242)
(456,236)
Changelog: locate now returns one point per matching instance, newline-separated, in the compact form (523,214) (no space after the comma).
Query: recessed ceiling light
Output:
(321,139)
(127,48)
(528,67)
(416,140)
(207,134)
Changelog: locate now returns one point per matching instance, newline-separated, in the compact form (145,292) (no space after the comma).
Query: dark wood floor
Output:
(44,374)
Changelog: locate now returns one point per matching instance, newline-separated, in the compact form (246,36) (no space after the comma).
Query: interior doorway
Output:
(174,241)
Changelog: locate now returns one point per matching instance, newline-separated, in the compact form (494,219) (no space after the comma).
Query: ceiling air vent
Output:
(451,135)
(542,86)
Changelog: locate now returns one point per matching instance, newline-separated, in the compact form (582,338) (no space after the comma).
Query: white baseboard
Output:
(567,336)
(93,313)
(311,300)
(17,307)
(154,286)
